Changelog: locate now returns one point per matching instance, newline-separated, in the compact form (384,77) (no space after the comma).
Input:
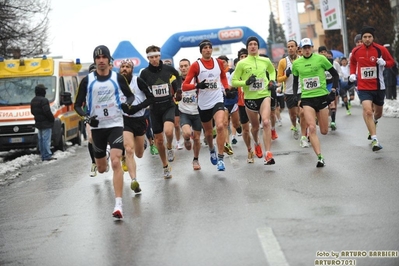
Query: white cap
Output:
(305,41)
(387,45)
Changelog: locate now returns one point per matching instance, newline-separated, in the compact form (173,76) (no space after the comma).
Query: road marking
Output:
(271,247)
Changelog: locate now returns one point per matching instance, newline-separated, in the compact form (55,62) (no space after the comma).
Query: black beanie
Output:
(40,90)
(203,43)
(252,38)
(102,50)
(367,29)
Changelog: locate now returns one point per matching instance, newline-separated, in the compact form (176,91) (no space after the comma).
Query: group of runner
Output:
(210,96)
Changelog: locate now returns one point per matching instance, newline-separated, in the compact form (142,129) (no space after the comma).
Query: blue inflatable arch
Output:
(216,36)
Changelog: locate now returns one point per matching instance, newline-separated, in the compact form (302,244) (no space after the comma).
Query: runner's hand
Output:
(288,72)
(381,61)
(91,120)
(250,80)
(352,78)
(202,85)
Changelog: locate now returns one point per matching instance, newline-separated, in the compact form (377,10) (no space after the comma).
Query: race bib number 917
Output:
(368,72)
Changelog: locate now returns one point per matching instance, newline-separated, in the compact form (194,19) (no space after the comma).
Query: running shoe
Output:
(228,149)
(205,142)
(349,104)
(179,146)
(124,165)
(167,172)
(320,161)
(196,165)
(239,130)
(118,212)
(279,123)
(187,144)
(269,158)
(274,134)
(214,157)
(234,140)
(375,145)
(369,136)
(93,170)
(221,166)
(333,126)
(348,112)
(214,132)
(153,150)
(135,186)
(250,157)
(295,132)
(258,151)
(304,142)
(145,144)
(171,155)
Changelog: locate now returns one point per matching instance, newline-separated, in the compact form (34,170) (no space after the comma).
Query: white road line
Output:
(271,247)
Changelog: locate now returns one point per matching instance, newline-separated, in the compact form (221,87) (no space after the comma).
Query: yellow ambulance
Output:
(18,79)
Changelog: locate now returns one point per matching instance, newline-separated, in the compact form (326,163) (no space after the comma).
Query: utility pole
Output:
(344,29)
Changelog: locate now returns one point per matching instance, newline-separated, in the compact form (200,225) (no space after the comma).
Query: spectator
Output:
(390,78)
(44,121)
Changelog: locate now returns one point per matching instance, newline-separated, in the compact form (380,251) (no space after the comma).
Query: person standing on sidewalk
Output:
(44,121)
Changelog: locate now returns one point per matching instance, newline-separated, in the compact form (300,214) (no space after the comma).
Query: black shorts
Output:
(254,105)
(289,100)
(317,103)
(160,116)
(104,136)
(193,120)
(135,125)
(280,102)
(207,115)
(243,114)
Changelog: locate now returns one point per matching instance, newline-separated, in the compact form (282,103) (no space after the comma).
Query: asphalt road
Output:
(291,213)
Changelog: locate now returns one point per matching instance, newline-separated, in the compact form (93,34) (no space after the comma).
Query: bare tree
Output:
(23,27)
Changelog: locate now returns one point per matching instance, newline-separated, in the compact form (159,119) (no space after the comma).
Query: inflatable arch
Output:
(216,36)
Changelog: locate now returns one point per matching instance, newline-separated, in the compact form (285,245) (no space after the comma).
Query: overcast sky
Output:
(78,26)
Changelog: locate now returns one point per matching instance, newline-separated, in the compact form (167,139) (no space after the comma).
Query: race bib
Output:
(258,85)
(189,99)
(161,90)
(368,72)
(311,83)
(212,84)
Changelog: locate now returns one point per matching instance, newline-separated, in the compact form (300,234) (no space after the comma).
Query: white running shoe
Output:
(304,142)
(179,145)
(167,172)
(171,155)
(93,170)
(118,212)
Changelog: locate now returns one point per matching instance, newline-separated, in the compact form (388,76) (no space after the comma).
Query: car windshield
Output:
(20,91)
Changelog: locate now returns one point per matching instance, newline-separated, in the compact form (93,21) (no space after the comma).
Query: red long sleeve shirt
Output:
(363,62)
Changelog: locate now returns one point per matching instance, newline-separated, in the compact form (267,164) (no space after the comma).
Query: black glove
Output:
(332,95)
(134,109)
(288,72)
(202,85)
(272,85)
(231,93)
(250,80)
(125,107)
(91,120)
(178,95)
